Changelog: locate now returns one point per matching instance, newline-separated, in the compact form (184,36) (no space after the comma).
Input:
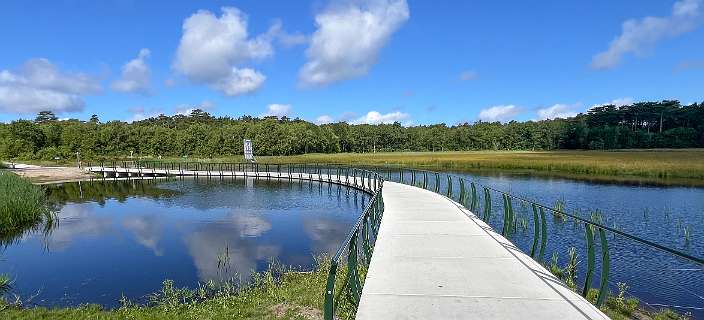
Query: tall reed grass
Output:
(22,204)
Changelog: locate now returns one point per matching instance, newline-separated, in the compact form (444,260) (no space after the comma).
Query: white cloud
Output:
(39,85)
(616,102)
(240,81)
(212,48)
(375,117)
(135,75)
(186,109)
(499,113)
(468,75)
(277,110)
(286,39)
(638,36)
(324,119)
(348,39)
(559,110)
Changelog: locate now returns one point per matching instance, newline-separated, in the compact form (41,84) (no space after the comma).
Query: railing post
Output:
(604,287)
(329,306)
(590,259)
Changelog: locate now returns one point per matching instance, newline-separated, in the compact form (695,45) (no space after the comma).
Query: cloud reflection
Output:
(76,220)
(233,240)
(147,231)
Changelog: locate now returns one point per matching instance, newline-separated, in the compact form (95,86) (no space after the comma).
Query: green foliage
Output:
(642,125)
(22,204)
(5,284)
(277,293)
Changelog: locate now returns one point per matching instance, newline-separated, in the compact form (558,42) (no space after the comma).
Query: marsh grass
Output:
(617,307)
(684,163)
(22,205)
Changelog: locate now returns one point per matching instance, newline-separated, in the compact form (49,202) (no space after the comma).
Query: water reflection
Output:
(147,230)
(125,237)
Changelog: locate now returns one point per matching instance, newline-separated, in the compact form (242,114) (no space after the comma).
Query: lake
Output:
(118,238)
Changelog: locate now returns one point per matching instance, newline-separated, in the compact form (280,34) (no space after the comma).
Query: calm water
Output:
(126,237)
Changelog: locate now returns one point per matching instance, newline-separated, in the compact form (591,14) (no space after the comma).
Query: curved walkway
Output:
(433,259)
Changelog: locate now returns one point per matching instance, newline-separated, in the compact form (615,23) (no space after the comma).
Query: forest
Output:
(664,124)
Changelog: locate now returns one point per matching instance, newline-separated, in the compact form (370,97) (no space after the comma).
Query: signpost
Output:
(248,151)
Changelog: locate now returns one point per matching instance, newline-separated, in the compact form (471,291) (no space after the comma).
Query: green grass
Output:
(272,295)
(679,166)
(656,164)
(22,204)
(641,163)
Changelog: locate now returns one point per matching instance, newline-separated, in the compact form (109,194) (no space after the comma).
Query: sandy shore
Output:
(39,174)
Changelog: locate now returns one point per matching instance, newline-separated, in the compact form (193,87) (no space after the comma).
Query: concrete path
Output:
(433,259)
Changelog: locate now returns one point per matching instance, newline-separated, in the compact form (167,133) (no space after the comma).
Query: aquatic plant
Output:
(687,235)
(5,284)
(22,204)
(559,209)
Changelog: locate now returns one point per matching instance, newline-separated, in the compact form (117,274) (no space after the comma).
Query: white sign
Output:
(248,151)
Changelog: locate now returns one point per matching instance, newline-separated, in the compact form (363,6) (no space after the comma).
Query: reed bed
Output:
(22,204)
(687,163)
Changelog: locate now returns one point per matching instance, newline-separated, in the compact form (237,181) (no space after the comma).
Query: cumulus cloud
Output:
(212,48)
(468,75)
(559,110)
(39,85)
(276,31)
(375,117)
(499,113)
(348,39)
(186,109)
(277,110)
(616,102)
(135,75)
(639,35)
(324,119)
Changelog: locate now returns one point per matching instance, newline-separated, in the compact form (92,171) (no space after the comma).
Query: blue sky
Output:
(416,62)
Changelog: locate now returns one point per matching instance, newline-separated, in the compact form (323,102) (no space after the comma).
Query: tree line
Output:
(664,124)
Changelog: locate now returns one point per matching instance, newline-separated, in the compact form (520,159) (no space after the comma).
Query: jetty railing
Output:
(499,209)
(354,254)
(511,215)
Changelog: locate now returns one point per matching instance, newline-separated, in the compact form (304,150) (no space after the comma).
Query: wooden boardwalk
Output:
(433,259)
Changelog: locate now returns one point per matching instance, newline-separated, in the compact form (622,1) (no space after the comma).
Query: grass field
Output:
(656,163)
(644,163)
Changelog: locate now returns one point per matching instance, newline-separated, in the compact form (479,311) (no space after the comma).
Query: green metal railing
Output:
(470,199)
(355,252)
(358,245)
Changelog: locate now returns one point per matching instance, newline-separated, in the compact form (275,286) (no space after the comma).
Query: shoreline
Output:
(46,175)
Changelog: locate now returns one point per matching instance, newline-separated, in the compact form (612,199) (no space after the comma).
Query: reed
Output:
(22,204)
(5,284)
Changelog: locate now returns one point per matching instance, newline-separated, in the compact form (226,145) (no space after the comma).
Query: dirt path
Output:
(39,174)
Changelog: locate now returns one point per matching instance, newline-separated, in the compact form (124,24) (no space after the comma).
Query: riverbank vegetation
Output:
(22,204)
(275,294)
(665,124)
(643,163)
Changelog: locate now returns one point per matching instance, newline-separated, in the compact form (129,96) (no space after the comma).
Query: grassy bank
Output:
(272,295)
(682,166)
(288,295)
(22,204)
(642,163)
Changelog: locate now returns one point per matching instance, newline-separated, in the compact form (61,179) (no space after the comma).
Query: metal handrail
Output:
(365,228)
(351,247)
